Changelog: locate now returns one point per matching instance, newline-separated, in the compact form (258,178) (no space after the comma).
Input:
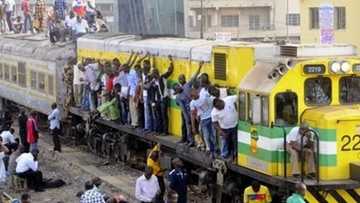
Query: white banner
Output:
(326,23)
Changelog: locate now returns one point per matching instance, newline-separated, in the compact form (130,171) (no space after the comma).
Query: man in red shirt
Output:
(25,7)
(32,131)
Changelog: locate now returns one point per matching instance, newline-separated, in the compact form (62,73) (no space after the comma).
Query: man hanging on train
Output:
(160,97)
(293,146)
(182,90)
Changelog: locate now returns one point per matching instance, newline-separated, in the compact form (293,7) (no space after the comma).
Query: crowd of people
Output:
(59,21)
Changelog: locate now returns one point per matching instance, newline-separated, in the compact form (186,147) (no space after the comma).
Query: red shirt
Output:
(25,6)
(109,83)
(31,130)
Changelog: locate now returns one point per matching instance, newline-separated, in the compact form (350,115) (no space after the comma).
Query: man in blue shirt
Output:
(183,99)
(178,179)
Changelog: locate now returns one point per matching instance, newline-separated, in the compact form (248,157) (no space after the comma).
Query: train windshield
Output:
(350,90)
(318,91)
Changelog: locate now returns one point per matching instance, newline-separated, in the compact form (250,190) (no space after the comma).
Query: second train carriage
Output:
(31,71)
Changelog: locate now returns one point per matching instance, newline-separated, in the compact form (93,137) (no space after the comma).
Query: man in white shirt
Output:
(54,118)
(9,9)
(147,187)
(293,146)
(27,167)
(8,139)
(224,116)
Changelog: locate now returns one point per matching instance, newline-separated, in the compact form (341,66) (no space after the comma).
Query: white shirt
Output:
(26,162)
(70,22)
(7,137)
(146,190)
(54,119)
(295,136)
(9,5)
(78,74)
(227,117)
(91,76)
(81,27)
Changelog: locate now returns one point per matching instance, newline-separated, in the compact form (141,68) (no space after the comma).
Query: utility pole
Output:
(201,19)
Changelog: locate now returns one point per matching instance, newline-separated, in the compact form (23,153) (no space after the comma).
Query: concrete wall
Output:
(348,35)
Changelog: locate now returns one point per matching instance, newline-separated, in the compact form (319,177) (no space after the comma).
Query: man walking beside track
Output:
(55,131)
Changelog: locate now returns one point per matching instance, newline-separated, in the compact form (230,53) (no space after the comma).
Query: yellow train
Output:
(277,86)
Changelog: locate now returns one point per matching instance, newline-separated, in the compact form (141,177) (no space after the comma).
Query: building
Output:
(243,19)
(345,27)
(151,17)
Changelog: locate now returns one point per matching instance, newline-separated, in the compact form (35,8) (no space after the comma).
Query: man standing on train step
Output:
(293,146)
(55,130)
(32,131)
(225,117)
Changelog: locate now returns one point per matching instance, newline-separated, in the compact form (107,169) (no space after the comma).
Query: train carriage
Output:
(31,71)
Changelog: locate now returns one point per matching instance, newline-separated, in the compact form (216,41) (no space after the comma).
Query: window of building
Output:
(350,90)
(230,21)
(286,107)
(258,109)
(33,80)
(51,84)
(340,18)
(293,19)
(41,81)
(1,71)
(208,20)
(254,22)
(318,91)
(13,74)
(242,106)
(21,74)
(7,72)
(191,21)
(314,18)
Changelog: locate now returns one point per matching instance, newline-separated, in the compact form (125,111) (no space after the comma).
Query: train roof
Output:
(194,49)
(35,46)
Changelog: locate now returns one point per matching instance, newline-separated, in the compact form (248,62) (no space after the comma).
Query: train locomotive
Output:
(278,86)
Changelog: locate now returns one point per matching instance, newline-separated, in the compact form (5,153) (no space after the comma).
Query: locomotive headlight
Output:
(345,67)
(335,67)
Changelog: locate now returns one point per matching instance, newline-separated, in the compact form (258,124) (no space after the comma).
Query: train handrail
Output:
(317,162)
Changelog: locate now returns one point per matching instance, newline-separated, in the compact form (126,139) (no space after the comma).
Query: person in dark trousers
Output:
(28,167)
(178,179)
(55,130)
(22,130)
(160,97)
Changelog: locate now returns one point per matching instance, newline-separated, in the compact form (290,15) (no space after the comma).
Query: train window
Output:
(21,74)
(220,66)
(350,90)
(286,105)
(1,71)
(33,80)
(13,74)
(242,106)
(50,84)
(258,109)
(7,72)
(41,81)
(318,91)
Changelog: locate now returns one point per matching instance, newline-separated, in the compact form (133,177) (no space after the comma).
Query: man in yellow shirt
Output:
(153,162)
(257,193)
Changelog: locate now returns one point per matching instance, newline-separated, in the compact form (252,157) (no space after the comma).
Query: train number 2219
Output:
(347,142)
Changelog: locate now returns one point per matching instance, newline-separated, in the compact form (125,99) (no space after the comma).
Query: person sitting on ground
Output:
(293,146)
(8,138)
(299,195)
(18,25)
(91,194)
(27,167)
(147,187)
(257,193)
